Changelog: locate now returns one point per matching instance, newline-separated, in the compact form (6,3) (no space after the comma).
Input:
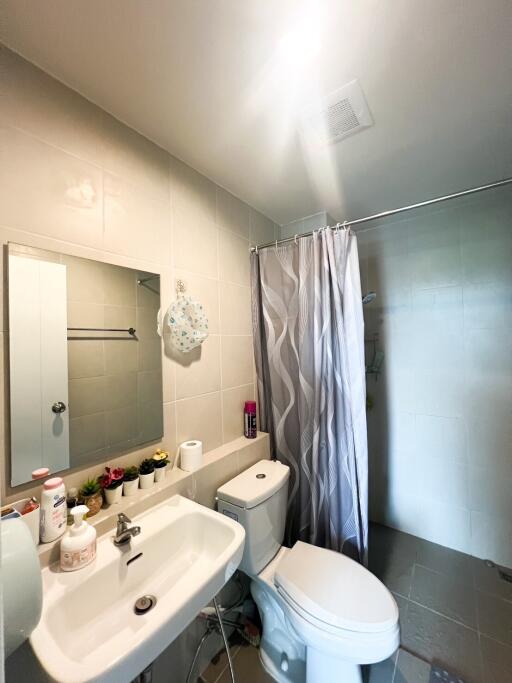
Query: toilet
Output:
(323,614)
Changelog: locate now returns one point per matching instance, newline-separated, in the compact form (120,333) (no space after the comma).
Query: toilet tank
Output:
(257,499)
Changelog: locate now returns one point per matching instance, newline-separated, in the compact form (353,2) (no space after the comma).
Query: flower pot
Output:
(113,495)
(94,503)
(147,480)
(159,473)
(130,487)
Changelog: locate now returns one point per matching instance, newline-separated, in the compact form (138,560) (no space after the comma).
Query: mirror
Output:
(85,360)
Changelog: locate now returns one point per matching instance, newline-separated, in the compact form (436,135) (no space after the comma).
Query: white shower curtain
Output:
(309,346)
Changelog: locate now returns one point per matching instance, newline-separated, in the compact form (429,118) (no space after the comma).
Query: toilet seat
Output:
(333,592)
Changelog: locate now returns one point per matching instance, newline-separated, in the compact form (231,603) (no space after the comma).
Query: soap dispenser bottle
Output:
(78,545)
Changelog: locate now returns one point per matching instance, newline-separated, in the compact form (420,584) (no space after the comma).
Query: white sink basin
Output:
(89,630)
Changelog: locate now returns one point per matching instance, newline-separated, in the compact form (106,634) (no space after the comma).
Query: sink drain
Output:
(144,604)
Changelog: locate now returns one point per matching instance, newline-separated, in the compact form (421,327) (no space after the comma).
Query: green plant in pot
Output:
(161,459)
(147,473)
(130,481)
(112,484)
(90,492)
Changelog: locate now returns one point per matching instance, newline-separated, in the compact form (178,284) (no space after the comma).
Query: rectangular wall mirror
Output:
(85,360)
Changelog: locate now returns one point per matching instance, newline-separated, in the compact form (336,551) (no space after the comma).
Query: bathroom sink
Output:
(89,630)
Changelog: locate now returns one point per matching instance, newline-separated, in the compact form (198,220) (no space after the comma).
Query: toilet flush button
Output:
(284,662)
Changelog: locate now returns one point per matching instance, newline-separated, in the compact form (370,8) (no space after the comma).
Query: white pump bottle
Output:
(78,545)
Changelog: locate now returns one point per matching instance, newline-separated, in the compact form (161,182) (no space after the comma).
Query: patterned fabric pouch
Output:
(188,323)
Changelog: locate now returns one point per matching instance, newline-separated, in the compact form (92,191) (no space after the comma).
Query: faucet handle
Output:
(123,519)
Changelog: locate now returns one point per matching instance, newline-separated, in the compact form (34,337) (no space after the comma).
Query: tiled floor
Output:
(454,611)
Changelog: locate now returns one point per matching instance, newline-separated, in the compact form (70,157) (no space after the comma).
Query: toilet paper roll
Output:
(191,455)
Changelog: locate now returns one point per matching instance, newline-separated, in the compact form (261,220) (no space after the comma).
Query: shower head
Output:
(368,298)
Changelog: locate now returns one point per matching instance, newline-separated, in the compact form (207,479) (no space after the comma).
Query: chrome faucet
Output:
(124,533)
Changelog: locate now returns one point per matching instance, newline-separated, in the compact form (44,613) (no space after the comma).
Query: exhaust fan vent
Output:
(340,114)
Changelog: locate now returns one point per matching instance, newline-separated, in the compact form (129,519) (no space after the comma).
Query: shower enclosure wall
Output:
(440,427)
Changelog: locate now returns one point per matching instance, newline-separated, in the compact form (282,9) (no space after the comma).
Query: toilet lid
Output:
(335,590)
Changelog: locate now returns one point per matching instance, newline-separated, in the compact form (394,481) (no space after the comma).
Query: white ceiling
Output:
(206,80)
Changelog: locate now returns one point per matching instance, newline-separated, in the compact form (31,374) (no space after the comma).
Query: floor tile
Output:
(392,555)
(411,669)
(446,561)
(247,667)
(495,617)
(497,659)
(382,672)
(488,580)
(218,664)
(435,638)
(445,595)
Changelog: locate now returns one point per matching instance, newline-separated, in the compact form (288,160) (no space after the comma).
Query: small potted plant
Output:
(112,484)
(90,492)
(130,481)
(161,458)
(147,473)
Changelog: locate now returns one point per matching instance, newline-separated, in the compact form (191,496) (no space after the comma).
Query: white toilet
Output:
(323,614)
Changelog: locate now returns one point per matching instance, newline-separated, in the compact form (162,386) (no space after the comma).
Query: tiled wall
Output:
(440,431)
(75,180)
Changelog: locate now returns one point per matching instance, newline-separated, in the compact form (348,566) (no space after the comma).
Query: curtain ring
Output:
(276,245)
(295,238)
(256,249)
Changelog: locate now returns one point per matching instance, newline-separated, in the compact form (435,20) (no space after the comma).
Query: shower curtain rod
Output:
(391,212)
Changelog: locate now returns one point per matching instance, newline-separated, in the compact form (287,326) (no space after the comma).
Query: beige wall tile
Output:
(200,418)
(195,246)
(85,358)
(150,354)
(254,450)
(121,356)
(198,372)
(44,190)
(119,285)
(262,228)
(168,378)
(136,159)
(157,215)
(86,396)
(208,479)
(136,224)
(237,361)
(84,280)
(235,309)
(146,323)
(170,431)
(87,434)
(81,314)
(233,411)
(205,290)
(234,265)
(232,214)
(149,386)
(40,105)
(193,196)
(121,390)
(121,317)
(121,424)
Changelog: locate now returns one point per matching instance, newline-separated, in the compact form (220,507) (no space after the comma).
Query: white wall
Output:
(440,432)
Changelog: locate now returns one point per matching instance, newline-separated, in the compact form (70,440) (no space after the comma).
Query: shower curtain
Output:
(309,350)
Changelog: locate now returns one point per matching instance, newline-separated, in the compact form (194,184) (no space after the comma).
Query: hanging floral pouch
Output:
(188,323)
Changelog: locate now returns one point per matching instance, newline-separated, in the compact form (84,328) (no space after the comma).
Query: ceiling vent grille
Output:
(340,114)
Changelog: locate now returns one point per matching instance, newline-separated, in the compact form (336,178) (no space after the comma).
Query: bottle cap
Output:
(250,406)
(79,512)
(41,473)
(53,483)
